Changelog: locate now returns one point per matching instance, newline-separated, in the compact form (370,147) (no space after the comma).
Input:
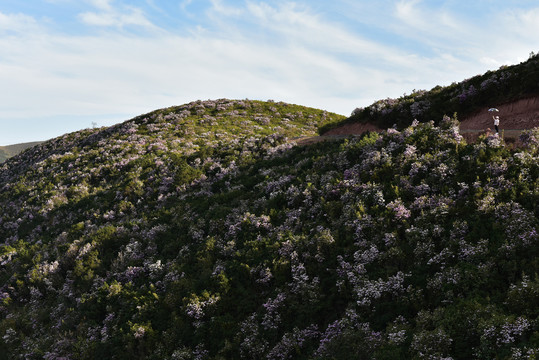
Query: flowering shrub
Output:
(530,139)
(465,97)
(183,234)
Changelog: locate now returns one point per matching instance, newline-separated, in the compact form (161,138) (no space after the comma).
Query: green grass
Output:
(11,150)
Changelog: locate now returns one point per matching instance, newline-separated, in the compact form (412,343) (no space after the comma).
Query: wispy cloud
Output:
(114,19)
(125,60)
(185,3)
(436,26)
(523,24)
(104,5)
(17,23)
(119,17)
(219,7)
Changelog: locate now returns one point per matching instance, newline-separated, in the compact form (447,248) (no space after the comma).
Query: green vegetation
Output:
(203,232)
(9,151)
(493,87)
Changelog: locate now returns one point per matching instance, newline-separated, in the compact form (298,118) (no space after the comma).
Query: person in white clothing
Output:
(496,122)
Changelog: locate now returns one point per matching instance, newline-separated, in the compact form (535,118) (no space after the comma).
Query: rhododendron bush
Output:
(465,98)
(204,232)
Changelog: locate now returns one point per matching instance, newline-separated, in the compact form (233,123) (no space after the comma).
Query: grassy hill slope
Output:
(11,150)
(201,232)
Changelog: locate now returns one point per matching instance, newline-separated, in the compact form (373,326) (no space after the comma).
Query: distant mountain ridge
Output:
(11,150)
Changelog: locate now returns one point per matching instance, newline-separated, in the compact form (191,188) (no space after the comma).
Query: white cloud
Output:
(220,8)
(477,38)
(116,19)
(104,5)
(407,10)
(185,3)
(102,19)
(17,23)
(297,27)
(125,74)
(119,17)
(523,24)
(435,26)
(284,52)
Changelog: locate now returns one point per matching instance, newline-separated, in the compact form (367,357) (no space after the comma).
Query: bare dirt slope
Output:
(353,129)
(339,133)
(516,115)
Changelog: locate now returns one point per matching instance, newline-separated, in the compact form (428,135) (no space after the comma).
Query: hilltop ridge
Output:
(202,231)
(514,89)
(214,119)
(207,121)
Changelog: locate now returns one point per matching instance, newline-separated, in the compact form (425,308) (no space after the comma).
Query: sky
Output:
(66,65)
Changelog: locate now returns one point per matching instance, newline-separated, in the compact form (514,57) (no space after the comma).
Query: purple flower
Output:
(398,208)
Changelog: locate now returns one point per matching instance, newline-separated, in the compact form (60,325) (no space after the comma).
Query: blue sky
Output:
(65,64)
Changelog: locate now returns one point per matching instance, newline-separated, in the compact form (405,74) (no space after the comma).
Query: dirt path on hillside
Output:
(514,116)
(352,129)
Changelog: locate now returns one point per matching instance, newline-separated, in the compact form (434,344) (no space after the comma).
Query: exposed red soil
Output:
(339,133)
(516,115)
(353,129)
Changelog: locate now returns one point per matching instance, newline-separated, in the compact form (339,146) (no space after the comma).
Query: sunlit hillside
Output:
(204,231)
(9,151)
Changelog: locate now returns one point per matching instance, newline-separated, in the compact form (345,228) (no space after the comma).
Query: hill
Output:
(513,89)
(11,150)
(203,232)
